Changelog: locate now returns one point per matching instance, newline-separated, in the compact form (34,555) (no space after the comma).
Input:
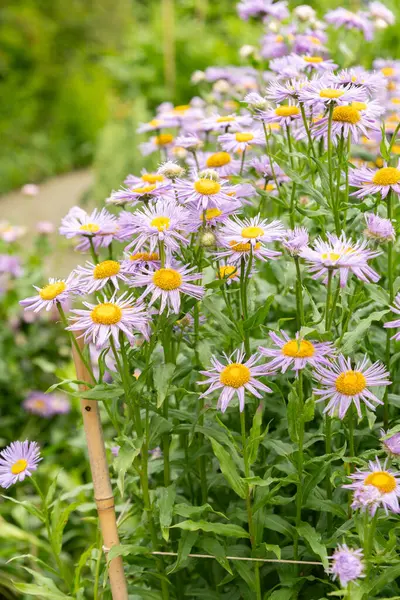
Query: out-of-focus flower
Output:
(17,461)
(378,228)
(45,227)
(30,189)
(347,564)
(46,405)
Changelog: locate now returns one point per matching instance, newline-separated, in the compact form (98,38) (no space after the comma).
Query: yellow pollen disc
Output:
(152,177)
(207,187)
(298,349)
(274,126)
(331,93)
(313,59)
(167,279)
(396,149)
(90,228)
(346,114)
(387,176)
(163,139)
(154,123)
(145,189)
(287,111)
(382,480)
(359,105)
(181,108)
(244,137)
(252,232)
(225,119)
(350,383)
(314,40)
(106,314)
(52,290)
(279,39)
(146,256)
(39,404)
(388,71)
(161,223)
(270,187)
(330,256)
(219,159)
(227,272)
(391,86)
(243,247)
(107,268)
(395,101)
(19,466)
(235,375)
(379,161)
(211,213)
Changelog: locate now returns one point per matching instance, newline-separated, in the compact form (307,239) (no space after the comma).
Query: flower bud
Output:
(208,239)
(209,174)
(171,170)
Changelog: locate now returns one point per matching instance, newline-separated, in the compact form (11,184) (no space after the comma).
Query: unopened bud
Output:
(209,174)
(208,239)
(171,170)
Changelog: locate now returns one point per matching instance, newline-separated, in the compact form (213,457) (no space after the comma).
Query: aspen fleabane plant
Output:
(259,259)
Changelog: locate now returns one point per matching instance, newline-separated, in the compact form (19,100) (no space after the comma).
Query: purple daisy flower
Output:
(296,353)
(212,216)
(241,140)
(358,77)
(391,443)
(163,141)
(378,228)
(295,240)
(347,120)
(232,122)
(132,263)
(284,115)
(341,255)
(100,226)
(93,278)
(252,231)
(279,92)
(146,178)
(168,283)
(10,265)
(57,291)
(396,323)
(17,461)
(162,222)
(321,92)
(380,13)
(370,181)
(262,8)
(386,486)
(46,405)
(341,17)
(343,385)
(204,192)
(107,318)
(140,192)
(221,162)
(235,377)
(347,564)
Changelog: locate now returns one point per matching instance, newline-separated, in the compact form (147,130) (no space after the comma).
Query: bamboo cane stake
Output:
(103,493)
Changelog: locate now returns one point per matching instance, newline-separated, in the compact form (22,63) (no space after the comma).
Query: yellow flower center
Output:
(152,177)
(163,139)
(244,137)
(161,223)
(107,313)
(19,466)
(235,375)
(387,176)
(52,290)
(181,108)
(350,383)
(396,149)
(330,256)
(287,111)
(154,123)
(107,268)
(270,187)
(219,159)
(252,232)
(207,187)
(211,213)
(225,119)
(314,40)
(382,480)
(331,93)
(39,404)
(388,71)
(167,279)
(298,349)
(395,101)
(279,39)
(346,114)
(243,247)
(227,272)
(146,256)
(359,105)
(90,228)
(146,189)
(313,59)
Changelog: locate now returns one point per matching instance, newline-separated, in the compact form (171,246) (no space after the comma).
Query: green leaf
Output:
(38,590)
(102,392)
(165,505)
(352,339)
(274,549)
(293,411)
(158,426)
(162,376)
(215,548)
(283,594)
(189,512)
(29,507)
(186,543)
(309,409)
(259,317)
(226,530)
(246,572)
(255,438)
(129,450)
(229,469)
(277,523)
(388,576)
(59,521)
(313,539)
(126,550)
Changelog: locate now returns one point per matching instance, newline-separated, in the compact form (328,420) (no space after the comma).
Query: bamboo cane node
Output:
(104,504)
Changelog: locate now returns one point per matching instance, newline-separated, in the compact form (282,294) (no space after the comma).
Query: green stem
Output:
(244,277)
(328,299)
(293,192)
(93,251)
(299,293)
(161,251)
(307,128)
(248,501)
(351,433)
(271,160)
(74,341)
(300,463)
(328,451)
(391,296)
(166,447)
(242,162)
